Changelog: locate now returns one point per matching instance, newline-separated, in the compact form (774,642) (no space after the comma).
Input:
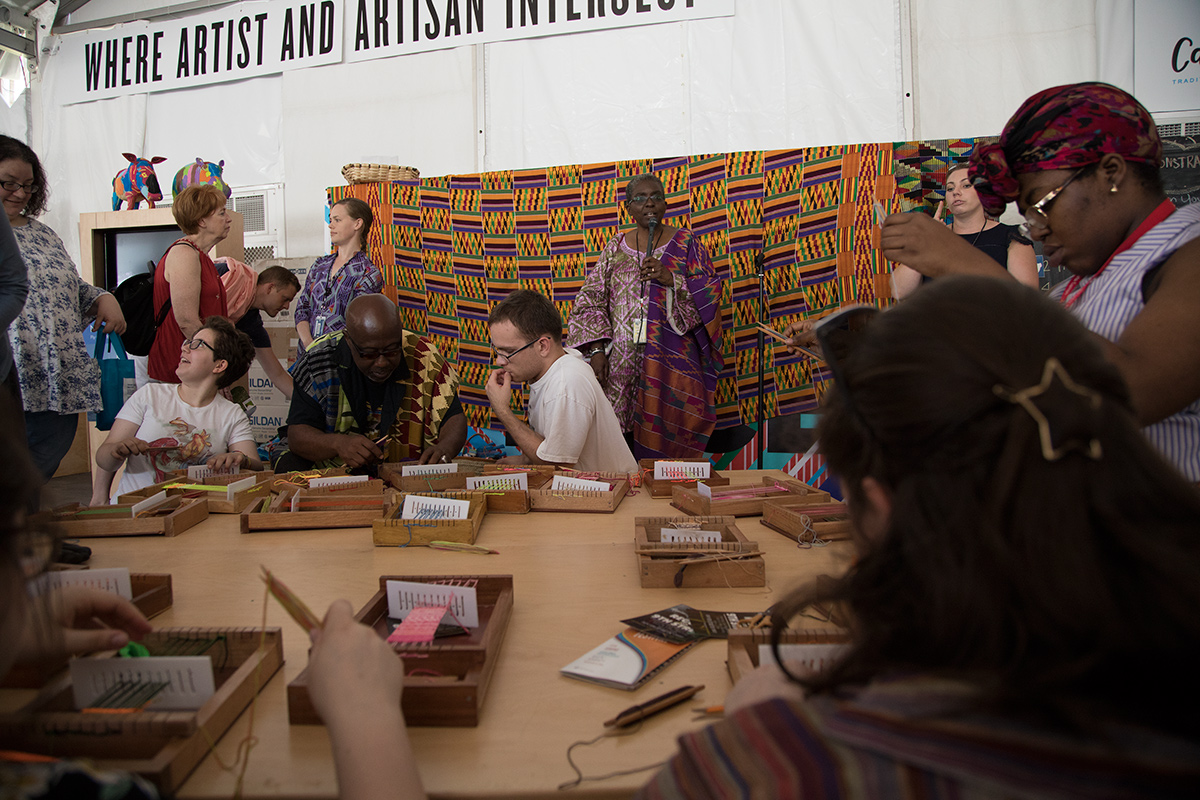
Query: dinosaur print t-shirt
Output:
(181,435)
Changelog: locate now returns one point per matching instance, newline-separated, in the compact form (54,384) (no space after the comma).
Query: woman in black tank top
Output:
(1003,243)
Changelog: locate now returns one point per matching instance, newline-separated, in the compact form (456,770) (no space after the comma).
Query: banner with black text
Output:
(251,39)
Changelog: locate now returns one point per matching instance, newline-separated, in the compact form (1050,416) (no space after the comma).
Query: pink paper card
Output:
(419,626)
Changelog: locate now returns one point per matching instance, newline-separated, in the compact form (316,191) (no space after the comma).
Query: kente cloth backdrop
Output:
(451,247)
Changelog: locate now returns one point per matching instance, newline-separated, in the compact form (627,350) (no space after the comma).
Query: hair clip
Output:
(1024,398)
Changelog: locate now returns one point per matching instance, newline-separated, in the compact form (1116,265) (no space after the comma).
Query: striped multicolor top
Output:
(910,739)
(1114,297)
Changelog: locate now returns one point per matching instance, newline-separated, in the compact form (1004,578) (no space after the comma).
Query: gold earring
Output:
(1113,190)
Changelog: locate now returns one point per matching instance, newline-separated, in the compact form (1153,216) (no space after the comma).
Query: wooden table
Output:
(575,577)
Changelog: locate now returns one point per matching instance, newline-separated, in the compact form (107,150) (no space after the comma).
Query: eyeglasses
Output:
(509,356)
(838,335)
(639,199)
(196,344)
(375,355)
(1035,215)
(12,186)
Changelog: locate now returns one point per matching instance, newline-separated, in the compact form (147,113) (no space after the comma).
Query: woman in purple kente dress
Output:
(336,279)
(648,318)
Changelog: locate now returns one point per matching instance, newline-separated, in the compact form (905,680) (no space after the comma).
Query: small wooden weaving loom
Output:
(743,499)
(744,645)
(661,487)
(807,523)
(600,502)
(392,472)
(446,680)
(351,506)
(213,489)
(169,517)
(731,561)
(394,531)
(162,746)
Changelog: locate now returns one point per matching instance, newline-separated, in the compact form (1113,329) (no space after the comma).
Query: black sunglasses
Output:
(374,355)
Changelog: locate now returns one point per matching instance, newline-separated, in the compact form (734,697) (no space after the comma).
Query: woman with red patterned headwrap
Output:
(1081,161)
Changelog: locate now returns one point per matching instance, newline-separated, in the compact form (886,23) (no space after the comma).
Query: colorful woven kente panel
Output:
(451,247)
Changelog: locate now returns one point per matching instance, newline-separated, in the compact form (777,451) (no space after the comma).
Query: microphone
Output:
(651,225)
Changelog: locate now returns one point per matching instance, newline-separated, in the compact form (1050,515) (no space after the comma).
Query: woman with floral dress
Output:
(59,378)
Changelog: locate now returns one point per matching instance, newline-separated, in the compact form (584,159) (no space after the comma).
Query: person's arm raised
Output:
(355,681)
(276,374)
(1159,352)
(922,243)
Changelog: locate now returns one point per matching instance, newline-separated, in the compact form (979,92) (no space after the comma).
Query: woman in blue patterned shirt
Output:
(336,279)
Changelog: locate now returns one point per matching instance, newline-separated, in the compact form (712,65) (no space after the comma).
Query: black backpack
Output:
(136,298)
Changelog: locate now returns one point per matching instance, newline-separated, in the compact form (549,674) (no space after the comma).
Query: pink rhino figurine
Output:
(198,174)
(136,182)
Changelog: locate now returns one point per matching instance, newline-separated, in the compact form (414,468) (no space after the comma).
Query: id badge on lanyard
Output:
(638,330)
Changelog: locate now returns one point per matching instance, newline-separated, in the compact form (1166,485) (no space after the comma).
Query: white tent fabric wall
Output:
(240,123)
(14,121)
(778,74)
(420,107)
(974,64)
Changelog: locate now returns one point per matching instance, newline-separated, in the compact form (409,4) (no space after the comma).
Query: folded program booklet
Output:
(626,661)
(682,623)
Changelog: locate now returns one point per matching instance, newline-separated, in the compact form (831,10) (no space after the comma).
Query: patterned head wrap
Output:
(1063,127)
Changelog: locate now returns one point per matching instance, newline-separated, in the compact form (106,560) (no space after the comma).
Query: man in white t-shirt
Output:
(571,422)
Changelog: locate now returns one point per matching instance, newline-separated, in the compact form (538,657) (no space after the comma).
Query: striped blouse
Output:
(909,739)
(1114,297)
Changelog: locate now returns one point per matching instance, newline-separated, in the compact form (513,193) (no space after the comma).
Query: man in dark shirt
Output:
(371,393)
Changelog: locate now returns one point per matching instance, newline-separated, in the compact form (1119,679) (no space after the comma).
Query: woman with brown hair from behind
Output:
(1023,606)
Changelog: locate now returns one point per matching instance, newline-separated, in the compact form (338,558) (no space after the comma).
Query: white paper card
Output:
(704,489)
(427,469)
(150,502)
(563,483)
(433,508)
(337,480)
(513,482)
(812,657)
(684,535)
(404,596)
(113,579)
(199,472)
(238,486)
(190,677)
(681,470)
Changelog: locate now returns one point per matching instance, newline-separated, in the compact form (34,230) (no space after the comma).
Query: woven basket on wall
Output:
(378,173)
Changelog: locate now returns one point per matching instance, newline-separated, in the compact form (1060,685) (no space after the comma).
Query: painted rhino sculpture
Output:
(200,173)
(136,183)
